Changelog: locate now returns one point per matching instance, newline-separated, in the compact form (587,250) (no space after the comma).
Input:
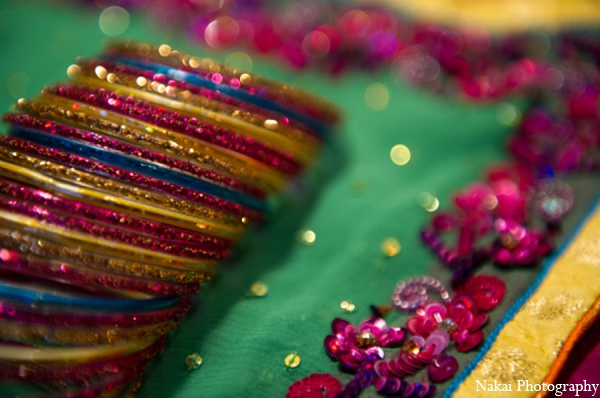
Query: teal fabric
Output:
(355,201)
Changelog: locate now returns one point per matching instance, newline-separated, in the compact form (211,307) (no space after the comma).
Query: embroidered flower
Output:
(517,245)
(351,346)
(461,319)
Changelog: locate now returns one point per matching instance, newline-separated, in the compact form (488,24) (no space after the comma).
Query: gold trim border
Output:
(528,345)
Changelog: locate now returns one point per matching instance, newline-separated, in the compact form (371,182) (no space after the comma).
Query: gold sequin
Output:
(193,361)
(307,237)
(258,289)
(390,247)
(346,306)
(507,365)
(292,360)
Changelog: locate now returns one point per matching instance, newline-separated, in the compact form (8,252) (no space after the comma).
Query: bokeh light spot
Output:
(114,20)
(239,60)
(400,154)
(377,96)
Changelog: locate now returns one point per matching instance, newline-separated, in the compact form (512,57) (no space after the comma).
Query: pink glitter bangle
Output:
(192,127)
(61,130)
(156,229)
(212,95)
(119,235)
(130,177)
(126,366)
(293,99)
(45,314)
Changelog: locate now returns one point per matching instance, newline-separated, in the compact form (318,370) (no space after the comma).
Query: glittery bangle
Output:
(52,335)
(111,150)
(80,275)
(267,93)
(94,229)
(131,177)
(26,370)
(178,122)
(48,249)
(213,220)
(239,173)
(25,293)
(110,248)
(135,164)
(255,96)
(206,98)
(42,314)
(123,220)
(262,131)
(133,207)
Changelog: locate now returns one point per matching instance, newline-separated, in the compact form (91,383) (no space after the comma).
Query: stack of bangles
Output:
(119,194)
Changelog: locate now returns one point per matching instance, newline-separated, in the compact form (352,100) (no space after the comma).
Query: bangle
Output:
(281,98)
(77,373)
(249,125)
(45,248)
(93,144)
(246,170)
(24,293)
(122,220)
(86,195)
(51,335)
(203,97)
(94,229)
(21,223)
(44,314)
(180,123)
(216,220)
(120,174)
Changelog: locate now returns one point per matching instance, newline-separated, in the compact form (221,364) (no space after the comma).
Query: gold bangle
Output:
(177,145)
(129,206)
(281,92)
(46,248)
(27,224)
(296,135)
(261,134)
(72,354)
(28,333)
(215,219)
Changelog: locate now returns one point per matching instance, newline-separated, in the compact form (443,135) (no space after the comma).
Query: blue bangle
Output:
(243,95)
(36,295)
(134,164)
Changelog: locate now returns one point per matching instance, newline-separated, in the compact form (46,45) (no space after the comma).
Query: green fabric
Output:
(359,200)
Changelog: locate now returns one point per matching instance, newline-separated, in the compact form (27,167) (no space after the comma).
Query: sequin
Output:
(193,361)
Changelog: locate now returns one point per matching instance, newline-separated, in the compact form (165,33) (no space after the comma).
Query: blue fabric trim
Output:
(517,305)
(243,95)
(144,167)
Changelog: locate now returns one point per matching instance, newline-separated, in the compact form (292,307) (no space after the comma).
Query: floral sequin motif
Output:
(351,345)
(507,365)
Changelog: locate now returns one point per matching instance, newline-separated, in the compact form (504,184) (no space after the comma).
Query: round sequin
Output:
(292,360)
(193,361)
